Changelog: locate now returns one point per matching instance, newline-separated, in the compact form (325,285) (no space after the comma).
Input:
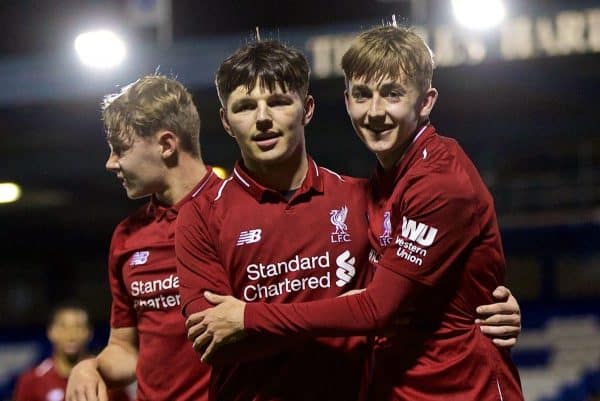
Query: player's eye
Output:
(360,95)
(243,106)
(393,94)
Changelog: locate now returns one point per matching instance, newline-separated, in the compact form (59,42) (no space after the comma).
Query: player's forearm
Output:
(368,312)
(116,364)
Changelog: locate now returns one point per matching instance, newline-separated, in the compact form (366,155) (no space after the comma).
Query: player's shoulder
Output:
(35,373)
(195,209)
(201,210)
(138,218)
(44,367)
(26,378)
(333,178)
(439,163)
(203,194)
(440,186)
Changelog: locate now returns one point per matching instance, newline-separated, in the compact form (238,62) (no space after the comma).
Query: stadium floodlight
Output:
(9,192)
(479,14)
(100,49)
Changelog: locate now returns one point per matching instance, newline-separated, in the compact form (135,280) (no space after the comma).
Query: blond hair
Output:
(389,51)
(150,104)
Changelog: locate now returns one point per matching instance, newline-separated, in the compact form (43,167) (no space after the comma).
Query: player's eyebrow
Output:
(361,89)
(392,86)
(285,97)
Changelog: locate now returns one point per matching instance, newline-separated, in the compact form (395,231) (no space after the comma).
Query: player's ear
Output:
(346,100)
(309,109)
(225,122)
(167,140)
(427,102)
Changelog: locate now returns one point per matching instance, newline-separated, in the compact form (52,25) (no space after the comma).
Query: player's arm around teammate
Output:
(500,321)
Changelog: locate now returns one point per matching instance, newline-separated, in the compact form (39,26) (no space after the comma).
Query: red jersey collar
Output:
(160,211)
(388,179)
(312,182)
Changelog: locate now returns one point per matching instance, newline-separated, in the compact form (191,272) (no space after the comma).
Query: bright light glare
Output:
(220,172)
(9,192)
(100,49)
(479,14)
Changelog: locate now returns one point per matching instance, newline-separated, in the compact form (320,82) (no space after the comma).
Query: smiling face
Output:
(388,72)
(267,125)
(386,113)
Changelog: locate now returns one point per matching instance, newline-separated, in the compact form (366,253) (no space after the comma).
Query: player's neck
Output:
(282,176)
(180,180)
(63,364)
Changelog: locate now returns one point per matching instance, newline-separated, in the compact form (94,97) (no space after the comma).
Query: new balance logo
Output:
(346,270)
(249,237)
(139,258)
(419,232)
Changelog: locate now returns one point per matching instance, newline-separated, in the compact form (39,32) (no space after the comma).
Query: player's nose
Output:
(376,107)
(264,121)
(112,163)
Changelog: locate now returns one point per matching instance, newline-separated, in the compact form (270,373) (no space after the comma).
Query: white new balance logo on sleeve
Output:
(249,237)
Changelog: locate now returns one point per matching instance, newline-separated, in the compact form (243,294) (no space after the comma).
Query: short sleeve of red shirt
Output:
(122,312)
(198,265)
(436,222)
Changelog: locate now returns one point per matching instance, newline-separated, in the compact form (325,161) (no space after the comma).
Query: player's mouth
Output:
(379,131)
(266,140)
(72,347)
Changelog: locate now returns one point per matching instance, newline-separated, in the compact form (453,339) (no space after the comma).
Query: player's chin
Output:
(272,156)
(378,145)
(73,355)
(133,193)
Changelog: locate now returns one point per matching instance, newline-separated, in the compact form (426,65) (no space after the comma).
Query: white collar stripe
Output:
(333,173)
(316,168)
(203,185)
(239,177)
(223,187)
(419,133)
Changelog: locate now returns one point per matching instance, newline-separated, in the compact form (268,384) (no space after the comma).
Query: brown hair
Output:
(147,105)
(270,62)
(391,51)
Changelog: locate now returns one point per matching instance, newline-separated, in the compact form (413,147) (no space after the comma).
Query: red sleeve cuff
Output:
(195,305)
(249,316)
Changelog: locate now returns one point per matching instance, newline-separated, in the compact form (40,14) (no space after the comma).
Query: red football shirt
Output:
(144,285)
(43,383)
(253,243)
(433,226)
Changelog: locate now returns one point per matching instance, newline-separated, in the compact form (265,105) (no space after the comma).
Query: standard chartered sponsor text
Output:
(321,278)
(155,287)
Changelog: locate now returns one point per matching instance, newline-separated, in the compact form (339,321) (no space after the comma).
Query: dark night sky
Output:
(33,25)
